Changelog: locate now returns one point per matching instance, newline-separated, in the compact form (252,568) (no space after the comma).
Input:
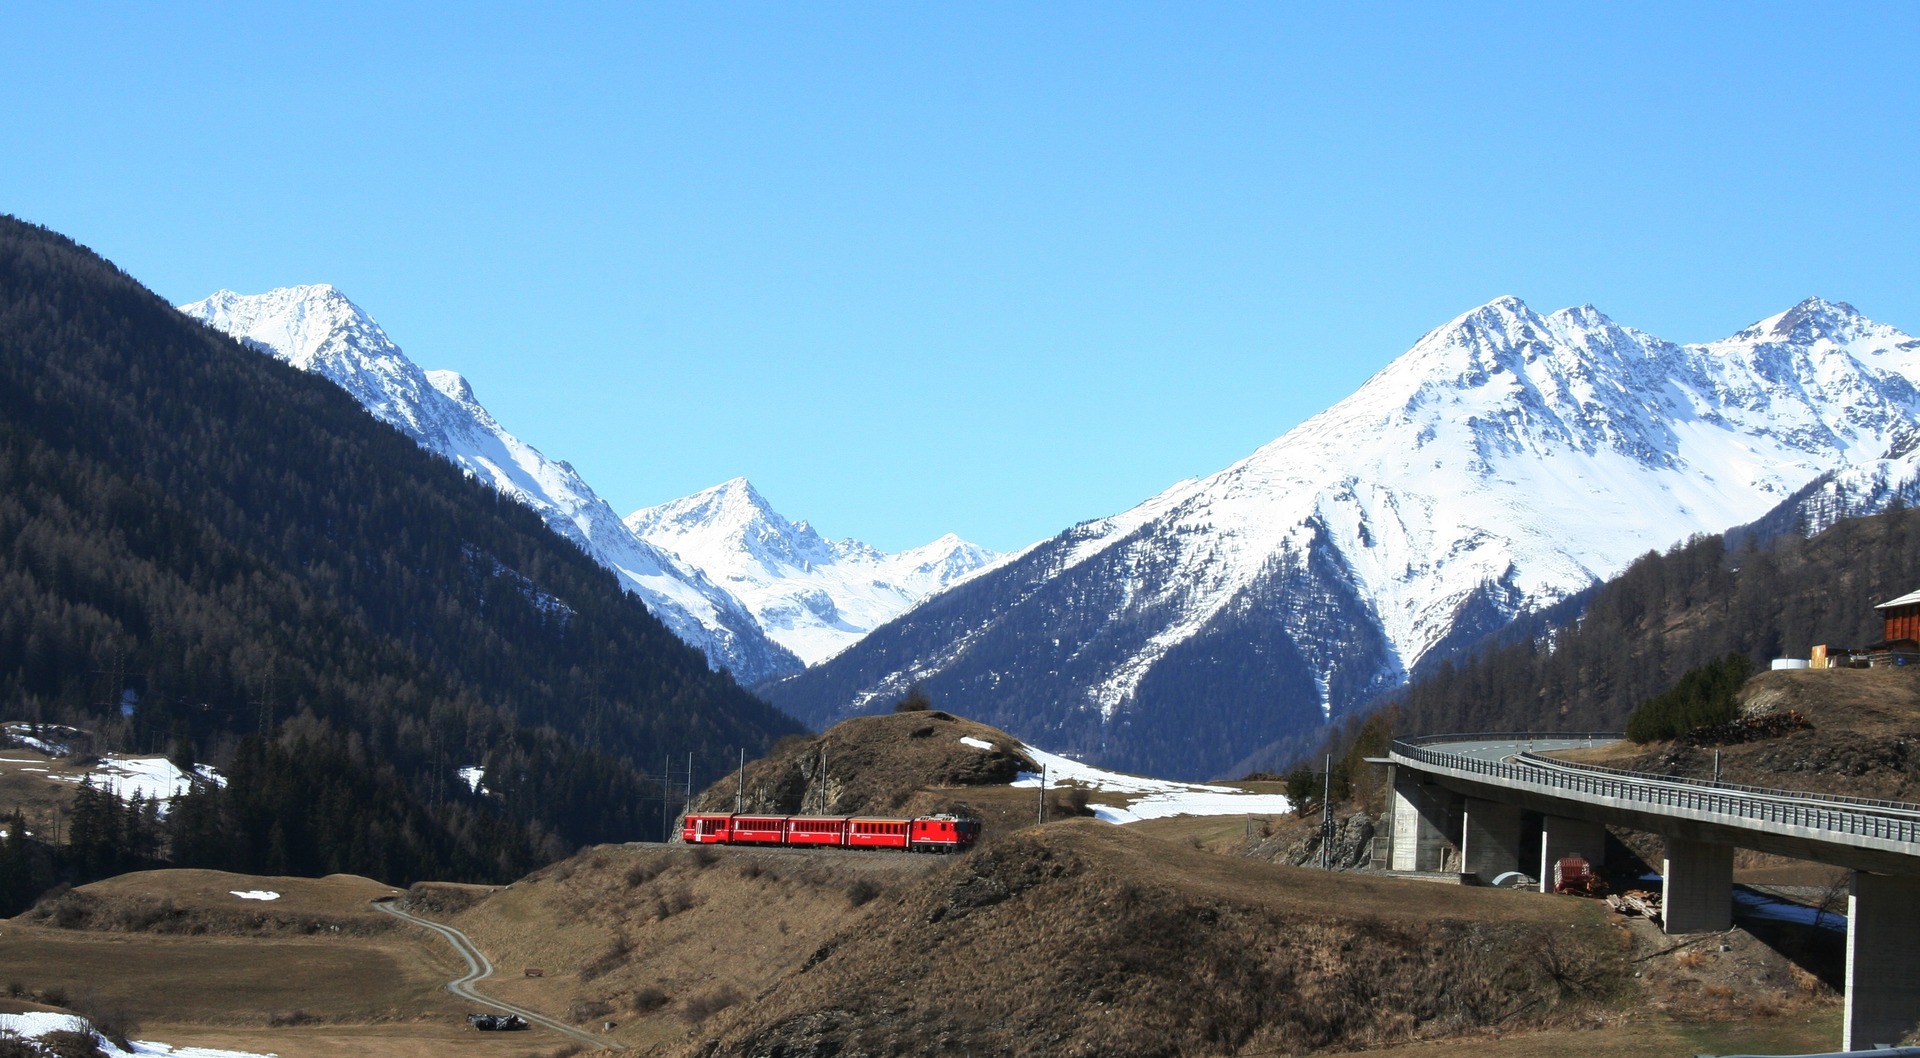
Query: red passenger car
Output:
(817,830)
(877,833)
(706,830)
(758,830)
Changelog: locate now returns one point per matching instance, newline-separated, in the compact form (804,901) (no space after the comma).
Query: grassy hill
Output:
(912,762)
(1070,938)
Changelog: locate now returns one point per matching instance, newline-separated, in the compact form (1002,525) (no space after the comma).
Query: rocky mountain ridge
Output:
(1505,462)
(759,595)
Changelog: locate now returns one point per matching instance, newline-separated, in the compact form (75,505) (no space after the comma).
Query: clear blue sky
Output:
(985,268)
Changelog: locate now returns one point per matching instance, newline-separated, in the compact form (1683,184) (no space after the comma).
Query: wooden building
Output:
(1902,617)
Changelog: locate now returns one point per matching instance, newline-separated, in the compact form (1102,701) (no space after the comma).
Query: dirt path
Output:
(479,968)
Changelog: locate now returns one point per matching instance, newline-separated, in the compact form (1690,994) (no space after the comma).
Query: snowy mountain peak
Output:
(300,324)
(813,595)
(1504,462)
(1812,320)
(317,329)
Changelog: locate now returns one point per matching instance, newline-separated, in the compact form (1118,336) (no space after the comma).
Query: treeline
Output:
(200,544)
(1704,697)
(1667,614)
(1701,613)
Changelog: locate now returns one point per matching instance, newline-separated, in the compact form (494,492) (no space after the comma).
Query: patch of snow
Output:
(255,894)
(48,738)
(471,775)
(976,743)
(151,778)
(35,1024)
(1148,798)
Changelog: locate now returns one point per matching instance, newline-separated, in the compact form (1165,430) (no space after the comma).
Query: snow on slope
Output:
(316,328)
(1533,453)
(153,779)
(34,1024)
(1504,462)
(812,595)
(1146,798)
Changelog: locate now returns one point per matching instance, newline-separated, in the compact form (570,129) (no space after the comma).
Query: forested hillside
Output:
(208,552)
(1671,613)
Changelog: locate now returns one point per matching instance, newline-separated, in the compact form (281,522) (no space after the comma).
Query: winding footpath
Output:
(479,968)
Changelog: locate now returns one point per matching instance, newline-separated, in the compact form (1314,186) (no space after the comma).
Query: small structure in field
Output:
(1900,632)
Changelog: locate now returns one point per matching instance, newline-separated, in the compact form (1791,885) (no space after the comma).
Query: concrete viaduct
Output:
(1478,794)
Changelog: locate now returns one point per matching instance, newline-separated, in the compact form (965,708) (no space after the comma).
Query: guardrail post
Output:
(1696,886)
(1883,979)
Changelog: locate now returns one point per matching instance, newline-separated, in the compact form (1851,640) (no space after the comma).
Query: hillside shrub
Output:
(1704,697)
(702,1007)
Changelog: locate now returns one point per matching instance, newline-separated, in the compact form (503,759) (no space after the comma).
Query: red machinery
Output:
(1573,874)
(942,833)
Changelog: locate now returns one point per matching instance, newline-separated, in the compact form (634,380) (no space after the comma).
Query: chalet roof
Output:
(1912,598)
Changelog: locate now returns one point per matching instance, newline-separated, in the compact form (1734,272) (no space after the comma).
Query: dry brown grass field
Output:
(261,976)
(25,785)
(1076,938)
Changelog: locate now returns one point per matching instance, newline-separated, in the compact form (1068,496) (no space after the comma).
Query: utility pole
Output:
(1041,815)
(821,784)
(740,795)
(1326,816)
(1716,767)
(666,822)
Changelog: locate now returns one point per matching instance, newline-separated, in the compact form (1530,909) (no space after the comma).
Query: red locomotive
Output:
(940,833)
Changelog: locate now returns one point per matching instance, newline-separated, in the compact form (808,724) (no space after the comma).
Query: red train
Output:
(920,834)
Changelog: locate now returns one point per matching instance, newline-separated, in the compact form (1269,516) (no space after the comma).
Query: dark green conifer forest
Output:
(207,553)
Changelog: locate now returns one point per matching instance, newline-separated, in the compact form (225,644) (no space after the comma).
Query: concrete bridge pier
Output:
(1696,886)
(1490,839)
(1419,822)
(1560,836)
(1883,977)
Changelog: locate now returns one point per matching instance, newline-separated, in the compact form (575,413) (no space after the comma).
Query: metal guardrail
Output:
(1657,791)
(1903,807)
(1515,736)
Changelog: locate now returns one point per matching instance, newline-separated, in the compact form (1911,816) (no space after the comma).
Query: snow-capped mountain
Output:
(813,595)
(317,329)
(1506,461)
